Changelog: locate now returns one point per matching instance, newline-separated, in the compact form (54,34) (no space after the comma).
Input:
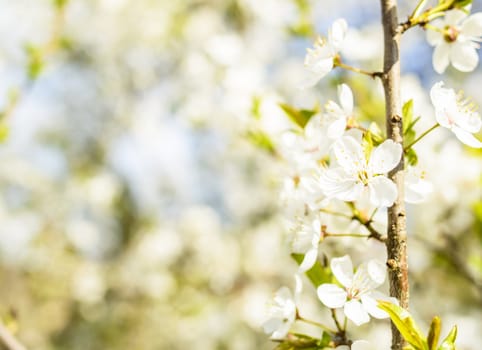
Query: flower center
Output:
(363,177)
(465,104)
(450,34)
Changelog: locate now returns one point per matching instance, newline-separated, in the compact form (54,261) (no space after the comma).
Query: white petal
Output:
(349,154)
(345,95)
(342,269)
(463,56)
(453,17)
(445,103)
(309,260)
(337,128)
(472,26)
(298,285)
(342,347)
(331,295)
(385,157)
(440,58)
(417,188)
(377,271)
(361,345)
(355,312)
(282,331)
(272,325)
(336,183)
(370,303)
(466,137)
(337,32)
(434,37)
(468,121)
(365,280)
(383,191)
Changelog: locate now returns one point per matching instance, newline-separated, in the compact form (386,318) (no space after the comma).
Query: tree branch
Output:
(9,340)
(396,234)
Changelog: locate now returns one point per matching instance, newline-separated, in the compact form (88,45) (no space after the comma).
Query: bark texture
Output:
(397,235)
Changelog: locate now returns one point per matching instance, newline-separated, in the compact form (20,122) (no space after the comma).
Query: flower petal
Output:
(337,32)
(355,312)
(385,157)
(331,295)
(445,103)
(309,259)
(472,26)
(370,303)
(383,191)
(342,269)
(337,128)
(368,276)
(463,56)
(282,330)
(440,58)
(336,183)
(345,95)
(466,137)
(417,188)
(349,154)
(453,17)
(361,345)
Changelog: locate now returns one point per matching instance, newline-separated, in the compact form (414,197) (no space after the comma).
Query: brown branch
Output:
(7,339)
(396,232)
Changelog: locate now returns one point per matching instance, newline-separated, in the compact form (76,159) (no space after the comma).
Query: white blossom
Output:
(355,173)
(282,311)
(357,345)
(320,59)
(417,188)
(357,297)
(457,114)
(456,38)
(306,241)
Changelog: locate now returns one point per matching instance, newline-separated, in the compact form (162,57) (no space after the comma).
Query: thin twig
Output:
(9,340)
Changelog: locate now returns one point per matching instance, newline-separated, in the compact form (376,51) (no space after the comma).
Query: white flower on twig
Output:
(357,297)
(456,38)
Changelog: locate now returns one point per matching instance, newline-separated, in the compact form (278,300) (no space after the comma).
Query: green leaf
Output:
(256,107)
(449,341)
(262,140)
(4,131)
(411,157)
(367,144)
(434,333)
(299,117)
(35,61)
(377,133)
(405,324)
(325,340)
(317,274)
(299,341)
(407,113)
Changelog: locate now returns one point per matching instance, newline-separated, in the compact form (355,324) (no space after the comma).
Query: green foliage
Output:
(318,274)
(412,334)
(405,324)
(299,116)
(300,341)
(409,134)
(60,3)
(35,63)
(434,333)
(449,341)
(262,140)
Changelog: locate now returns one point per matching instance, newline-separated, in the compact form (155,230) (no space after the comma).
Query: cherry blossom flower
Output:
(323,129)
(417,188)
(357,345)
(457,114)
(306,241)
(320,59)
(355,173)
(282,311)
(456,38)
(357,297)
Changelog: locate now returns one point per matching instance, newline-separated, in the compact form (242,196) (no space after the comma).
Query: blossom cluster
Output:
(340,167)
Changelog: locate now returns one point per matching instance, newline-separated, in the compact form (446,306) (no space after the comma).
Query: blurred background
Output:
(140,178)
